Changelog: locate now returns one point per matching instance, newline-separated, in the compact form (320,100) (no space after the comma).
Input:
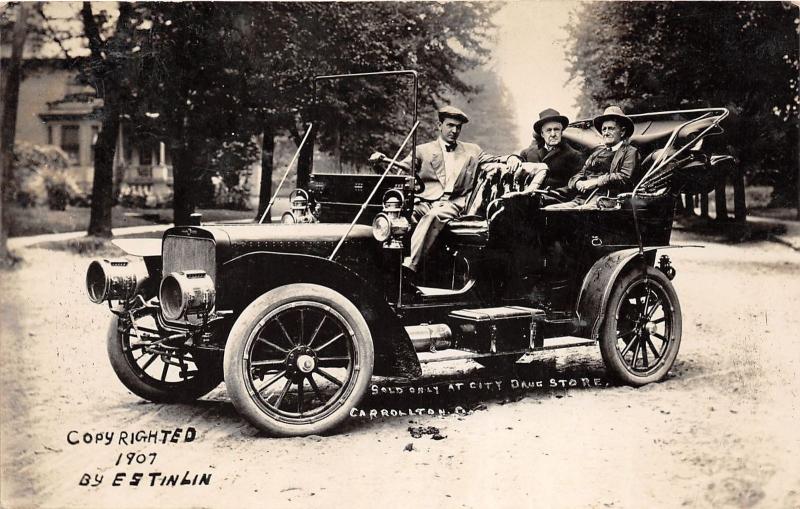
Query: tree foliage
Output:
(221,73)
(649,56)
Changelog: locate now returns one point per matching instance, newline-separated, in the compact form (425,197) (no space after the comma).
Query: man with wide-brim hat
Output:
(447,170)
(612,168)
(548,148)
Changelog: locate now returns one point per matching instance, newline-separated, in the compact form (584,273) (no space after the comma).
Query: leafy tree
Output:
(217,76)
(648,56)
(10,95)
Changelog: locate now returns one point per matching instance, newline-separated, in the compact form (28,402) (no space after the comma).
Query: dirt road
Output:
(720,432)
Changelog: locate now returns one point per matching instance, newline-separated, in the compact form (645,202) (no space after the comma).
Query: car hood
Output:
(303,232)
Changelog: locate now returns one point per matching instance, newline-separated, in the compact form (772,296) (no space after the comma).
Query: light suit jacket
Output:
(429,166)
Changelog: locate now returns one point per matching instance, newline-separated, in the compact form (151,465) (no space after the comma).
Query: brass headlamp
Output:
(389,226)
(300,211)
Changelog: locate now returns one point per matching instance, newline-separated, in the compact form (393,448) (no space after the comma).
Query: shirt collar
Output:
(617,146)
(444,144)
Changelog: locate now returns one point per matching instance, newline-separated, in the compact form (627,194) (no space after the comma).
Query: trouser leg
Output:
(428,229)
(578,201)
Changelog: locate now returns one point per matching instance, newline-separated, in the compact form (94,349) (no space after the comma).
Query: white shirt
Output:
(617,146)
(454,162)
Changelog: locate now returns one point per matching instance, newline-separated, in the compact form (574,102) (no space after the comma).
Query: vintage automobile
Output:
(297,317)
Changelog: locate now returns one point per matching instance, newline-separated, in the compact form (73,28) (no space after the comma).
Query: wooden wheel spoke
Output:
(330,377)
(659,336)
(635,353)
(655,307)
(331,359)
(302,326)
(646,299)
(285,333)
(643,348)
(329,343)
(316,331)
(628,346)
(313,385)
(283,394)
(659,320)
(164,372)
(271,344)
(656,355)
(277,362)
(150,361)
(271,381)
(300,396)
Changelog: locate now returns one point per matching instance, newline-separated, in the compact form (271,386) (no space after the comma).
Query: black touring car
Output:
(297,316)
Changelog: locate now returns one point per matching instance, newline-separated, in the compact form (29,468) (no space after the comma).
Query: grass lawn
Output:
(40,220)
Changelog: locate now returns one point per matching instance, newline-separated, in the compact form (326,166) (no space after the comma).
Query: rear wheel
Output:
(154,370)
(642,330)
(298,359)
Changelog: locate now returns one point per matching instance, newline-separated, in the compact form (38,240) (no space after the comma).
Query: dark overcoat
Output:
(562,162)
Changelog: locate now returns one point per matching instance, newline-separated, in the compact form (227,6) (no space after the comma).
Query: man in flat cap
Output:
(611,168)
(549,147)
(447,169)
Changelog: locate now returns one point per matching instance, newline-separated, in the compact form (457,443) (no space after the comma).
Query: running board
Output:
(555,343)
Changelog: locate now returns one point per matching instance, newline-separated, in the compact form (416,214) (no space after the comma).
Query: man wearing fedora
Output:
(447,169)
(549,147)
(611,168)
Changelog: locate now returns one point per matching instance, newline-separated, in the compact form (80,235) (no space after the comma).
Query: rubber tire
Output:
(237,342)
(157,391)
(615,366)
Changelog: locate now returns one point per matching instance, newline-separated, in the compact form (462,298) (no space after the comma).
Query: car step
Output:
(555,343)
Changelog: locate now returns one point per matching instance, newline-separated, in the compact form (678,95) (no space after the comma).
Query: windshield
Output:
(359,115)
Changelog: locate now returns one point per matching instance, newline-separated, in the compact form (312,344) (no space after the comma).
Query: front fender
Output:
(244,278)
(150,251)
(599,282)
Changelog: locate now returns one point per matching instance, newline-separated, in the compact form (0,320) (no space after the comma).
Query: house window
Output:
(49,135)
(71,142)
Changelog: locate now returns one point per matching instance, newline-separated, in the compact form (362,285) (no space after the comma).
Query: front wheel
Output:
(298,359)
(642,330)
(154,370)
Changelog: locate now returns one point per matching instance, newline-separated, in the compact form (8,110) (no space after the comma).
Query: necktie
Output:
(450,147)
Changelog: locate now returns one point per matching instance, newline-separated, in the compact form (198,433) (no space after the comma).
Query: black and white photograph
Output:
(450,254)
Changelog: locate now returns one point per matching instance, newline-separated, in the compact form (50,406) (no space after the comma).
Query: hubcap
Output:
(306,363)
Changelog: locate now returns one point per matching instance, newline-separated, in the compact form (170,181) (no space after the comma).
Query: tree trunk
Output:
(106,72)
(183,201)
(8,128)
(739,202)
(720,203)
(186,164)
(306,157)
(103,184)
(267,156)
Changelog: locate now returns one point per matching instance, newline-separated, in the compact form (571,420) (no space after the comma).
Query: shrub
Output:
(39,175)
